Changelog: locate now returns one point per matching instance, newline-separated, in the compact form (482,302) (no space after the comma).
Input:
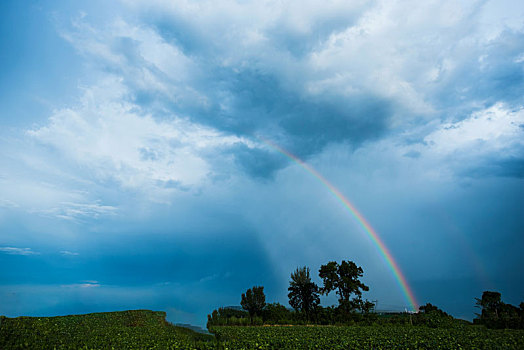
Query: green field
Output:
(137,329)
(368,337)
(143,329)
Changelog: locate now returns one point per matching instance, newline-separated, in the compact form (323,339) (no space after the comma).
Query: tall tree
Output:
(254,300)
(303,293)
(497,314)
(491,305)
(344,279)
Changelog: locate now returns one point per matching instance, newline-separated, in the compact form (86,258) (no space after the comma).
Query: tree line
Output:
(344,279)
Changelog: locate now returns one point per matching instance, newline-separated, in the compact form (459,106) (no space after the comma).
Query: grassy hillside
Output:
(136,329)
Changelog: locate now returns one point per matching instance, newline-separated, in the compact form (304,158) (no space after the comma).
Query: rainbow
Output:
(371,233)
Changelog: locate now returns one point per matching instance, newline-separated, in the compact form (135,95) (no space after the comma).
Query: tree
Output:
(429,308)
(254,300)
(497,314)
(491,305)
(276,313)
(344,279)
(431,316)
(303,293)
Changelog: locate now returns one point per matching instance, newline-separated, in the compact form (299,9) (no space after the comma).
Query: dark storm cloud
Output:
(257,101)
(258,162)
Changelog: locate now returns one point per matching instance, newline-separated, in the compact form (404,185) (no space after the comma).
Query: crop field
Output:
(367,337)
(143,329)
(137,329)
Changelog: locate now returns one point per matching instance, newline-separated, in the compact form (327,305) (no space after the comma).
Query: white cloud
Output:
(112,138)
(486,142)
(84,284)
(6,203)
(209,278)
(141,56)
(495,130)
(399,50)
(68,253)
(79,211)
(48,188)
(91,281)
(18,251)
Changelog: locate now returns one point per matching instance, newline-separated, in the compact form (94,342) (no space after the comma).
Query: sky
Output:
(143,166)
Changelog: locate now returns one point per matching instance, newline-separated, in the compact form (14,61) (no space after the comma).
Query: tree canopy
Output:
(497,314)
(303,293)
(254,300)
(344,279)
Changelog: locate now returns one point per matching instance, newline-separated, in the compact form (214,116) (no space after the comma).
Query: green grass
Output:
(137,329)
(368,337)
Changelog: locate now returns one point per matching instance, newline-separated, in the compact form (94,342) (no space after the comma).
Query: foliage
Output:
(227,312)
(143,329)
(273,313)
(254,300)
(276,313)
(431,316)
(497,314)
(344,279)
(367,337)
(303,293)
(137,329)
(228,316)
(232,317)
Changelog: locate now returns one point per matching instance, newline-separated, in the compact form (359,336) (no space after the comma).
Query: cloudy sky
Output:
(135,171)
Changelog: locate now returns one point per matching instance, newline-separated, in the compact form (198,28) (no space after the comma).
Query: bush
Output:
(276,313)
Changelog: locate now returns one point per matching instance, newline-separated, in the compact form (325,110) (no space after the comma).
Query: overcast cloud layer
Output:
(134,171)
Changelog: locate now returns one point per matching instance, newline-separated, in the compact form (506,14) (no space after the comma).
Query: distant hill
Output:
(134,329)
(193,328)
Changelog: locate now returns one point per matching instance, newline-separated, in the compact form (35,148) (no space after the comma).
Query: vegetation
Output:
(344,279)
(143,329)
(278,314)
(364,337)
(232,317)
(137,329)
(253,301)
(312,326)
(496,314)
(303,293)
